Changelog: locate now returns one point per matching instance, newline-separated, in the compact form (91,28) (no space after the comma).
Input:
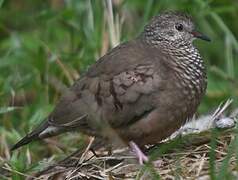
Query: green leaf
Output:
(8,109)
(1,3)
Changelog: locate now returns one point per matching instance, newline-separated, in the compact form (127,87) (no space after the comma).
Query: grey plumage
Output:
(144,89)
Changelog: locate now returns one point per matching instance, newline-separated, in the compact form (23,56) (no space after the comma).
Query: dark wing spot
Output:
(137,118)
(78,95)
(83,87)
(143,77)
(117,103)
(123,86)
(97,95)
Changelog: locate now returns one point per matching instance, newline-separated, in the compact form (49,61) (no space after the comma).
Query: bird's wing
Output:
(131,95)
(119,88)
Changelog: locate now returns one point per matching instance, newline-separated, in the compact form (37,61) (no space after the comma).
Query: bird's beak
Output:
(200,35)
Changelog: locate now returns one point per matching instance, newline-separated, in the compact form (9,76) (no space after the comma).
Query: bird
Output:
(143,89)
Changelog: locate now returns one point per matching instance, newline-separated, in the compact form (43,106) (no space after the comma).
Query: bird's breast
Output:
(189,80)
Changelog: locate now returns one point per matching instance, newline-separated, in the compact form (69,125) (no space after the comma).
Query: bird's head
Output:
(174,28)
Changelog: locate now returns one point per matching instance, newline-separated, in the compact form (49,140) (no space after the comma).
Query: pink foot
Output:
(139,154)
(158,163)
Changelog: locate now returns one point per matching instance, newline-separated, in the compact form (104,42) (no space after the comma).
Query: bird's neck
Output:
(188,67)
(184,58)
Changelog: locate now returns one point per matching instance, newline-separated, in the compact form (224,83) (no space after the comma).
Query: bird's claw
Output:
(139,154)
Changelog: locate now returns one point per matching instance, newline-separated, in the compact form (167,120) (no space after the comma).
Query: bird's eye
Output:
(179,27)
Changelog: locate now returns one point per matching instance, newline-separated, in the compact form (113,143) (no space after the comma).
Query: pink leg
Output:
(139,154)
(158,163)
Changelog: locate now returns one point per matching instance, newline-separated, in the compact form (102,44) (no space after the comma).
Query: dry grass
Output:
(188,161)
(188,155)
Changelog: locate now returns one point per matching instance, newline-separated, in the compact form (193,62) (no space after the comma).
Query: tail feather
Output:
(47,129)
(34,135)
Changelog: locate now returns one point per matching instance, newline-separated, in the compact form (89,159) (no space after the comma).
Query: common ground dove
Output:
(143,89)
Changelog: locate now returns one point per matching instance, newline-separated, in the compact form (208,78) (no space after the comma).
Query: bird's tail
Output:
(45,130)
(34,135)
